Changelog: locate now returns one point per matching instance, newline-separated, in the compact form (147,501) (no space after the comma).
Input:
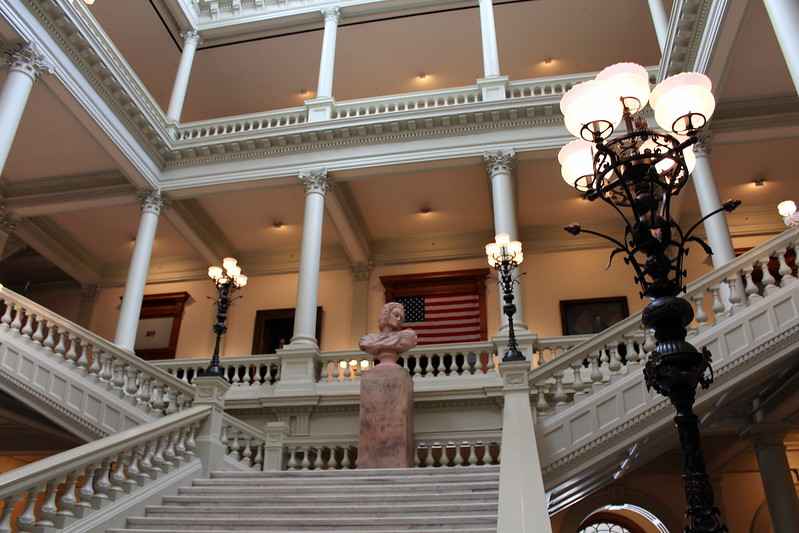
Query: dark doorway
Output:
(275,327)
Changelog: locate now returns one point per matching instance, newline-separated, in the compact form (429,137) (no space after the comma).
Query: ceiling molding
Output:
(687,28)
(349,223)
(47,196)
(50,241)
(199,230)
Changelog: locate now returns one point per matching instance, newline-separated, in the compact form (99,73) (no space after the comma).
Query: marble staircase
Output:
(462,500)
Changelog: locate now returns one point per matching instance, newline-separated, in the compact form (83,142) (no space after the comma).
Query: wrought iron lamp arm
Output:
(729,206)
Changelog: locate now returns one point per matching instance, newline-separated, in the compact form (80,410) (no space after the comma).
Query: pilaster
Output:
(276,435)
(493,88)
(320,109)
(360,302)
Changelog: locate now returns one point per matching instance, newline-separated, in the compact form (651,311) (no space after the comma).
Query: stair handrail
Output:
(249,430)
(32,308)
(58,468)
(632,324)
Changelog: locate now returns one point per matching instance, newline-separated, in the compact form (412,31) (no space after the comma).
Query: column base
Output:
(493,88)
(299,368)
(320,109)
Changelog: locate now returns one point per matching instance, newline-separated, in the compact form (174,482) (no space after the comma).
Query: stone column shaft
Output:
(500,170)
(25,65)
(488,32)
(777,483)
(716,229)
(316,186)
(191,39)
(327,64)
(660,19)
(137,273)
(784,15)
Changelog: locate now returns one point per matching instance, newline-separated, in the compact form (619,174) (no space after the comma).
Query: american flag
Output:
(440,319)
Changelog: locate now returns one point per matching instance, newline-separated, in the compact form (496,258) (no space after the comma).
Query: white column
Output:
(500,170)
(137,273)
(777,481)
(784,15)
(489,33)
(316,186)
(327,64)
(25,65)
(191,39)
(660,19)
(523,502)
(716,229)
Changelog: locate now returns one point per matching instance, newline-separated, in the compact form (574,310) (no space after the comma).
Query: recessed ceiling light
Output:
(277,224)
(759,182)
(425,210)
(421,76)
(548,60)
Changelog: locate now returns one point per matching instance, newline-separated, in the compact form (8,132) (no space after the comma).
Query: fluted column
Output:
(25,65)
(316,185)
(500,171)
(716,229)
(775,474)
(191,39)
(152,204)
(784,15)
(660,19)
(327,64)
(492,84)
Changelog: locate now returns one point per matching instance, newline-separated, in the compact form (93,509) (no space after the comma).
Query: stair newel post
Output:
(522,498)
(210,391)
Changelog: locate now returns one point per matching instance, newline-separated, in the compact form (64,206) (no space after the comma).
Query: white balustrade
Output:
(383,105)
(248,371)
(329,456)
(240,125)
(457,453)
(245,444)
(74,485)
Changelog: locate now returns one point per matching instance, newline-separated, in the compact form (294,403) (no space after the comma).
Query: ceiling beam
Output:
(719,38)
(44,236)
(197,227)
(349,223)
(48,196)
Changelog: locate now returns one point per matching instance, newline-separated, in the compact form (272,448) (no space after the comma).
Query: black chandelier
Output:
(228,279)
(638,173)
(505,255)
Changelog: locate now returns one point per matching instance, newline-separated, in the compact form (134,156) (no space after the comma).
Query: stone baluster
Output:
(317,462)
(158,459)
(736,293)
(459,459)
(61,346)
(258,461)
(68,501)
(170,397)
(786,273)
(719,311)
(133,477)
(751,290)
(596,374)
(306,459)
(38,335)
(614,360)
(578,385)
(346,463)
(559,396)
(147,465)
(181,437)
(131,387)
(235,447)
(47,511)
(117,477)
(191,443)
(83,359)
(649,341)
(102,484)
(541,404)
(16,324)
(473,460)
(156,399)
(417,369)
(441,369)
(429,460)
(86,490)
(71,354)
(169,449)
(118,380)
(27,330)
(769,283)
(633,357)
(27,519)
(246,454)
(5,321)
(699,312)
(9,503)
(292,462)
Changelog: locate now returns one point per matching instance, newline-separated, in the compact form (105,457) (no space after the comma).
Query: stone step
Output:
(306,523)
(407,472)
(335,510)
(344,478)
(213,499)
(408,489)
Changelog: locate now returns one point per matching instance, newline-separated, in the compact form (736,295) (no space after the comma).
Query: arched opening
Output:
(625,518)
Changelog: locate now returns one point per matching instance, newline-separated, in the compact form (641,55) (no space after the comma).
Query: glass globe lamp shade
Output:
(591,108)
(492,251)
(215,272)
(241,280)
(576,161)
(683,102)
(786,208)
(229,262)
(234,271)
(629,82)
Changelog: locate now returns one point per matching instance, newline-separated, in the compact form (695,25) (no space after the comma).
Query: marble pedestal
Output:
(386,434)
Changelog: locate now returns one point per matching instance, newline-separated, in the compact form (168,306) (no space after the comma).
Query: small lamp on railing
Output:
(787,211)
(228,279)
(504,256)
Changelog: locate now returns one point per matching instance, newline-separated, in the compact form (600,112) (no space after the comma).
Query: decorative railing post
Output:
(210,390)
(522,498)
(276,434)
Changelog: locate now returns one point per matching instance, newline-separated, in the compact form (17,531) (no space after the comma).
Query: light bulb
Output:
(786,208)
(241,280)
(215,272)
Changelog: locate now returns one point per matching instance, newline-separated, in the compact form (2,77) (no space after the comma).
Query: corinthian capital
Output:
(702,146)
(27,59)
(152,202)
(331,13)
(315,181)
(190,35)
(499,162)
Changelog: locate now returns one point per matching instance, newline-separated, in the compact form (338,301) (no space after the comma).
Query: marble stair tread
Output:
(406,472)
(214,499)
(405,489)
(444,477)
(374,509)
(302,523)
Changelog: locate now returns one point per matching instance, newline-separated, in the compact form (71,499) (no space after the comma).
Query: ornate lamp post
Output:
(638,173)
(228,279)
(505,255)
(787,211)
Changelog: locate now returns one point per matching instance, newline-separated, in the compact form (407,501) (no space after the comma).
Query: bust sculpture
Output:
(392,340)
